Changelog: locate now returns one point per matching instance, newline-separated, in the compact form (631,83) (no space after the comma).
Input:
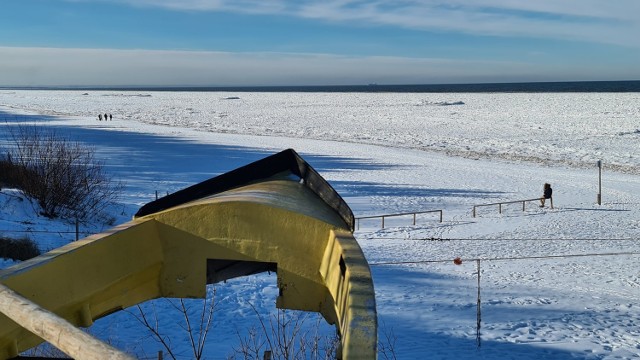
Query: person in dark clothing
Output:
(547,193)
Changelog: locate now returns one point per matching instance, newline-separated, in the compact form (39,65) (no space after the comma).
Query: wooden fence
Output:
(509,202)
(398,214)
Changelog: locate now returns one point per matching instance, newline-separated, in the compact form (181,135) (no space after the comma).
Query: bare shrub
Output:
(286,337)
(195,328)
(6,174)
(285,334)
(44,351)
(18,249)
(387,345)
(62,176)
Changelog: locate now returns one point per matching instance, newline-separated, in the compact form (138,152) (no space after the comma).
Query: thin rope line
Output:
(45,231)
(499,239)
(504,258)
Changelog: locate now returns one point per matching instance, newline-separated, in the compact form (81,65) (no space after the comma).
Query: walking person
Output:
(547,194)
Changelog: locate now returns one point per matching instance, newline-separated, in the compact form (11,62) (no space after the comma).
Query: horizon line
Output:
(372,87)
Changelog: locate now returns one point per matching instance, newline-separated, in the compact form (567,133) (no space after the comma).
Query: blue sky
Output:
(309,42)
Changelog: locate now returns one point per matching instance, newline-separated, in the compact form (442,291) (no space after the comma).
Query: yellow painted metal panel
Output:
(320,266)
(86,279)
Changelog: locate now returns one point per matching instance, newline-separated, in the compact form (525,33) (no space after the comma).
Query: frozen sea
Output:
(548,128)
(554,284)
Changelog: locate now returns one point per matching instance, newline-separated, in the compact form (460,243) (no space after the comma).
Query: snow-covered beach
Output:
(561,283)
(567,128)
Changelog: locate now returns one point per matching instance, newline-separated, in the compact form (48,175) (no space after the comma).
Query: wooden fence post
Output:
(478,314)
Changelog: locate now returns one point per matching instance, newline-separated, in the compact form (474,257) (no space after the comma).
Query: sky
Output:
(315,42)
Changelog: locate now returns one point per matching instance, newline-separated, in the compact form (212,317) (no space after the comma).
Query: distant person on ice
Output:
(546,195)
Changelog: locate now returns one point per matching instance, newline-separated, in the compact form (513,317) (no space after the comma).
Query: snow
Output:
(568,128)
(394,153)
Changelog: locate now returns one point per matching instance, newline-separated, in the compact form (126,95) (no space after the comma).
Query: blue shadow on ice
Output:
(446,328)
(11,118)
(362,188)
(149,163)
(326,164)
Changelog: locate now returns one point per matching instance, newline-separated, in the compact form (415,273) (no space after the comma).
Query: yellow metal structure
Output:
(287,220)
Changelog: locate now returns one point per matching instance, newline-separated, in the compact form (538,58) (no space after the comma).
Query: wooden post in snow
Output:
(599,197)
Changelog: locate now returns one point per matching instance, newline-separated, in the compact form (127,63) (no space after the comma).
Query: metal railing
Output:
(414,213)
(509,202)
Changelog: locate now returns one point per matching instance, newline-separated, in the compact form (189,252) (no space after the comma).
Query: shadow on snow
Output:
(446,327)
(361,188)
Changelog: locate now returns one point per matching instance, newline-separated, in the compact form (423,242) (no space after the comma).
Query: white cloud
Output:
(107,67)
(244,6)
(588,21)
(611,22)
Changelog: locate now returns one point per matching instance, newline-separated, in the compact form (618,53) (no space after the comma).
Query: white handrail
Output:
(54,329)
